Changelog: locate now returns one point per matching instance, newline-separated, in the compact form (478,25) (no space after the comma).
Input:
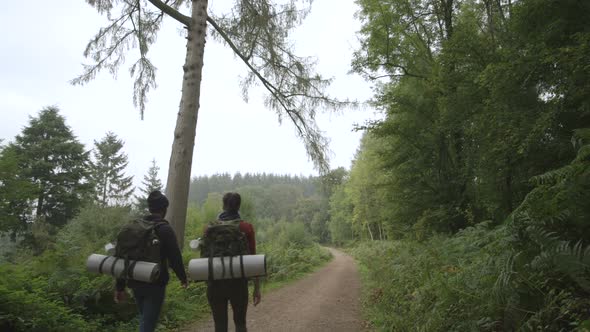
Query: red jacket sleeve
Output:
(248,230)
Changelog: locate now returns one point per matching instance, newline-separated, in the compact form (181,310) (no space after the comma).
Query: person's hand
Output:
(120,296)
(256,297)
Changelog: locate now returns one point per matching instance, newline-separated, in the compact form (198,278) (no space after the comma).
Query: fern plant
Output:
(546,279)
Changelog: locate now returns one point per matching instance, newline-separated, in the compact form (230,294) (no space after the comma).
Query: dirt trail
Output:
(327,300)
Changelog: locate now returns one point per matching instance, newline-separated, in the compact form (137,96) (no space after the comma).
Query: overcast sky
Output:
(41,45)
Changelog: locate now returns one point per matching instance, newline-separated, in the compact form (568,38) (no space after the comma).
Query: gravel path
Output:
(327,300)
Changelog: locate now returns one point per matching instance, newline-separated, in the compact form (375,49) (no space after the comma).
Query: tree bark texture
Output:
(179,171)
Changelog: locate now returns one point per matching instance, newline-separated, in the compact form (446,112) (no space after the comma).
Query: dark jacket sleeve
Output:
(172,251)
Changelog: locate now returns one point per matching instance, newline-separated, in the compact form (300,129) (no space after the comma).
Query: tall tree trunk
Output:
(179,171)
(448,17)
(490,13)
(40,203)
(370,232)
(104,192)
(508,195)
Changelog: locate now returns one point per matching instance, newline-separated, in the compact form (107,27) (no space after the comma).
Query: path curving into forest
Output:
(326,300)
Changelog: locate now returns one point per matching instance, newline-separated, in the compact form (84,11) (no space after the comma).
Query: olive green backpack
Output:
(223,239)
(138,241)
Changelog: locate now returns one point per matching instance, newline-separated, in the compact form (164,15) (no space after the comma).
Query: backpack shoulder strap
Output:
(156,227)
(160,223)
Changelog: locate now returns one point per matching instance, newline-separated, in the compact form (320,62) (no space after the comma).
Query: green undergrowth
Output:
(53,291)
(529,273)
(434,286)
(473,281)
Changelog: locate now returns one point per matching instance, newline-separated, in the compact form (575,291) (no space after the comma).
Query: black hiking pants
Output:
(234,291)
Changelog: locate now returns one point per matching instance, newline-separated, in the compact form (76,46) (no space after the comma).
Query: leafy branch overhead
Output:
(256,30)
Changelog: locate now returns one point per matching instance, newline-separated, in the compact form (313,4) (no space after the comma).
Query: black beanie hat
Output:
(157,201)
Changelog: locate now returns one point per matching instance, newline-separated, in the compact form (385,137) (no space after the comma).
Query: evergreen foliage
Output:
(151,182)
(45,287)
(466,206)
(15,194)
(52,160)
(476,104)
(54,292)
(111,186)
(479,170)
(274,197)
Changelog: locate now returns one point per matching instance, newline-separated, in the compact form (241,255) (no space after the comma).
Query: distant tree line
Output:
(201,186)
(274,198)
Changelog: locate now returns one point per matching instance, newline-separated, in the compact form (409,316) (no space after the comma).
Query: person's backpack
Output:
(223,239)
(138,241)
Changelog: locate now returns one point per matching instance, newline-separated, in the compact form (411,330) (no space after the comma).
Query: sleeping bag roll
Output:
(110,265)
(218,268)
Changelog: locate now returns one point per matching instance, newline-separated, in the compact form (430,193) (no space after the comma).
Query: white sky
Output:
(41,45)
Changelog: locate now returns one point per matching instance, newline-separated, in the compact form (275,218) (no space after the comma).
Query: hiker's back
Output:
(138,240)
(223,239)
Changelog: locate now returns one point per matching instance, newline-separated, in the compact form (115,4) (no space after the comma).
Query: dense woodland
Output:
(478,178)
(466,206)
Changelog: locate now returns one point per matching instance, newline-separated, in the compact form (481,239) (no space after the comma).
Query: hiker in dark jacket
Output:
(150,296)
(234,291)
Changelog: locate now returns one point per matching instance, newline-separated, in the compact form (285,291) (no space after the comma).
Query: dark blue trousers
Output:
(149,301)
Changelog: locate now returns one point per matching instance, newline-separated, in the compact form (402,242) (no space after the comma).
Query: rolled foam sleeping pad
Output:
(235,267)
(110,265)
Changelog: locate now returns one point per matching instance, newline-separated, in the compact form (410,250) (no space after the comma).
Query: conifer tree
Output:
(112,187)
(150,182)
(51,158)
(16,191)
(257,32)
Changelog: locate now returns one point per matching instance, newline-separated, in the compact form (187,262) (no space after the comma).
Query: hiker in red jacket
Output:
(234,291)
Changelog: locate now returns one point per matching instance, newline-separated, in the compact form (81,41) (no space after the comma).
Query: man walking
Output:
(150,296)
(234,291)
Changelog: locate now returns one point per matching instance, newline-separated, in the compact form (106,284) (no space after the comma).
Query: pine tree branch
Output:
(293,92)
(244,58)
(175,14)
(268,85)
